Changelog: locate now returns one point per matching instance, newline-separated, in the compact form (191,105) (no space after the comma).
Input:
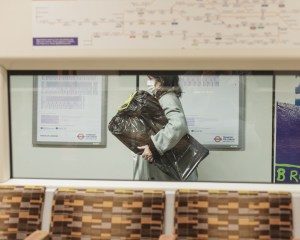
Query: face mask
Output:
(150,86)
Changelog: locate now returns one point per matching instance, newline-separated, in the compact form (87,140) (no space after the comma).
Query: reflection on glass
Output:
(231,114)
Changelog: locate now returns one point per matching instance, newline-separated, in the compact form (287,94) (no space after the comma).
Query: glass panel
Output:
(110,162)
(249,161)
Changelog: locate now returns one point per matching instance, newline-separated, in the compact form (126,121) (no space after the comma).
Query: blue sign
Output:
(287,166)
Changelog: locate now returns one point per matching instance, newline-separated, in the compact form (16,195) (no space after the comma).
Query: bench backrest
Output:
(20,211)
(233,215)
(107,214)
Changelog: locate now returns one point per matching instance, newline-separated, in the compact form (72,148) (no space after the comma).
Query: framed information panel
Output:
(214,108)
(69,110)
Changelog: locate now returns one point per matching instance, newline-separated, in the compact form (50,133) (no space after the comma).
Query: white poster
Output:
(212,107)
(69,109)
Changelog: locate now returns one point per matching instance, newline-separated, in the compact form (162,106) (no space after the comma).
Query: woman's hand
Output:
(147,154)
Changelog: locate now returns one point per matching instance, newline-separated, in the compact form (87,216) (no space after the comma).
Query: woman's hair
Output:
(169,83)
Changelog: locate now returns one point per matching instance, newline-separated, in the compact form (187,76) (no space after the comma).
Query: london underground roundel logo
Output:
(218,139)
(80,136)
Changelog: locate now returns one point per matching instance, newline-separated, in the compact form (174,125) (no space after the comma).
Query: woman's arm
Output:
(176,127)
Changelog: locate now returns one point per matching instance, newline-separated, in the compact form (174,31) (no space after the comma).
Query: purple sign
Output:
(62,41)
(287,168)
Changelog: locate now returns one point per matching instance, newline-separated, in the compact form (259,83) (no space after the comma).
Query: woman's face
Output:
(156,84)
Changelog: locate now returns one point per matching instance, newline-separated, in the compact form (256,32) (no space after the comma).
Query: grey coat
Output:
(164,140)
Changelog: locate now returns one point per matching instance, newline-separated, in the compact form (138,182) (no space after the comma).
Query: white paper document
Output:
(69,109)
(212,107)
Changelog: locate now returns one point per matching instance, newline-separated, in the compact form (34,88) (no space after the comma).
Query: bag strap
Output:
(127,102)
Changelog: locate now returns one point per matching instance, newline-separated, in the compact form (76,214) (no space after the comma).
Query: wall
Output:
(16,51)
(4,128)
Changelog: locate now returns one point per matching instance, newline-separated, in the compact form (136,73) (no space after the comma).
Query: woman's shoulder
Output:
(165,94)
(168,95)
(169,98)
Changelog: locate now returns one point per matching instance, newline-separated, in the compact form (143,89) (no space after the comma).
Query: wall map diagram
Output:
(167,24)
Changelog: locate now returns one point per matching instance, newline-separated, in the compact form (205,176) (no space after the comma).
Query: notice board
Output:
(214,106)
(69,110)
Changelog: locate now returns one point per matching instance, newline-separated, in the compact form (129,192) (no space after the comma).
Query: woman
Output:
(167,90)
